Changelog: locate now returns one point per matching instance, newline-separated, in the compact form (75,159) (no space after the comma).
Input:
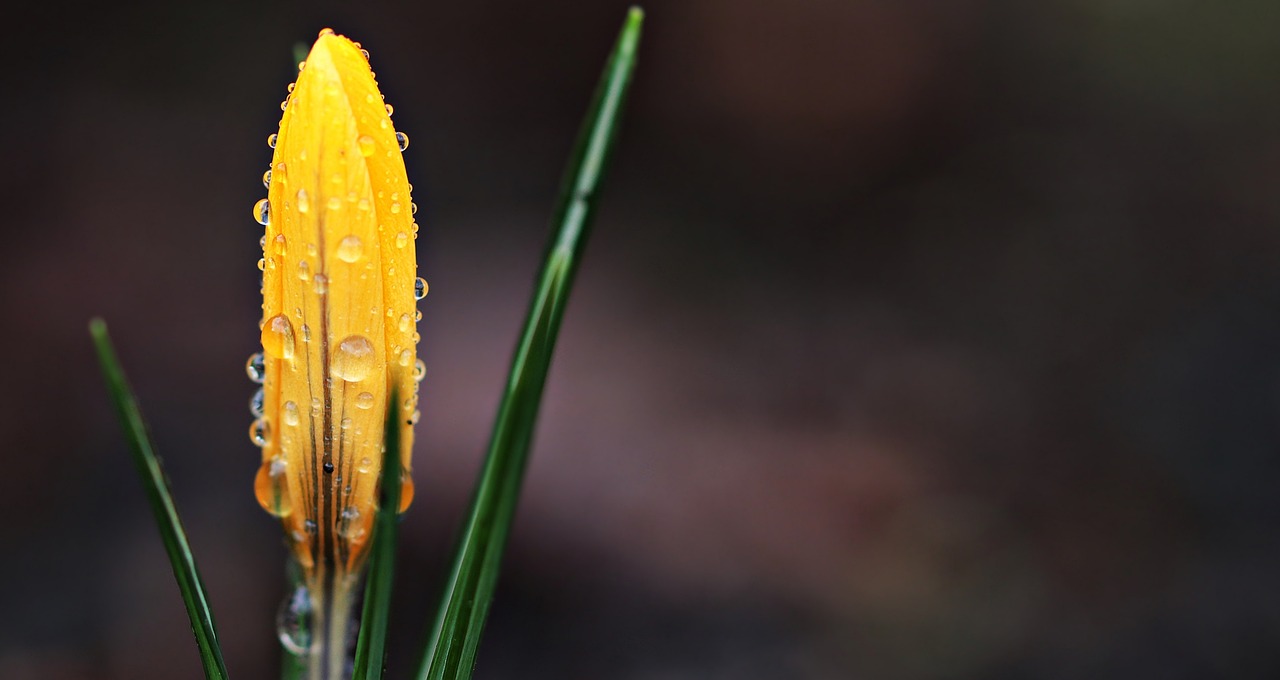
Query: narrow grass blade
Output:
(157,488)
(371,645)
(453,640)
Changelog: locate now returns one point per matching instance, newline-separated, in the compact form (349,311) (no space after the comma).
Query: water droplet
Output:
(291,86)
(413,208)
(284,105)
(353,359)
(316,406)
(364,466)
(364,401)
(256,403)
(345,424)
(322,284)
(405,322)
(367,147)
(406,357)
(406,490)
(327,467)
(302,65)
(334,203)
(266,179)
(304,270)
(363,205)
(395,208)
(277,337)
(256,367)
(350,248)
(402,240)
(419,370)
(420,288)
(260,432)
(271,140)
(262,242)
(303,201)
(324,32)
(280,245)
(390,109)
(262,212)
(417,315)
(413,419)
(291,415)
(293,622)
(402,140)
(262,264)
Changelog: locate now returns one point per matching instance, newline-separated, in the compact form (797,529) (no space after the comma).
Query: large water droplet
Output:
(293,622)
(420,288)
(266,179)
(353,359)
(277,337)
(291,413)
(405,358)
(402,140)
(256,402)
(367,147)
(350,248)
(405,322)
(390,109)
(256,367)
(262,212)
(271,140)
(364,401)
(419,370)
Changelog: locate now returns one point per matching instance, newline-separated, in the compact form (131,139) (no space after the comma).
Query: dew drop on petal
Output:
(277,337)
(293,622)
(334,203)
(353,359)
(350,248)
(266,179)
(402,140)
(390,109)
(364,401)
(303,201)
(291,415)
(406,358)
(260,432)
(406,490)
(304,271)
(420,288)
(256,403)
(256,367)
(402,240)
(419,370)
(367,147)
(271,140)
(322,284)
(262,212)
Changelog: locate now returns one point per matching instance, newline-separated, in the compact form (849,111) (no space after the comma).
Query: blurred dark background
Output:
(916,339)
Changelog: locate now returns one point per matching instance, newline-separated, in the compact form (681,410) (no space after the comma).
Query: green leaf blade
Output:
(161,499)
(454,638)
(371,645)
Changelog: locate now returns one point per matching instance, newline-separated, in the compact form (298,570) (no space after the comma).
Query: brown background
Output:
(916,339)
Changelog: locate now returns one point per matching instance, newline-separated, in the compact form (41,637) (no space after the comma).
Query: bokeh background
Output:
(916,340)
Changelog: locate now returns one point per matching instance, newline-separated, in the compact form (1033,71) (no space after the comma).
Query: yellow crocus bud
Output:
(339,313)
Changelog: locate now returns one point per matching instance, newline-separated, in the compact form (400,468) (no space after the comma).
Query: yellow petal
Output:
(339,308)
